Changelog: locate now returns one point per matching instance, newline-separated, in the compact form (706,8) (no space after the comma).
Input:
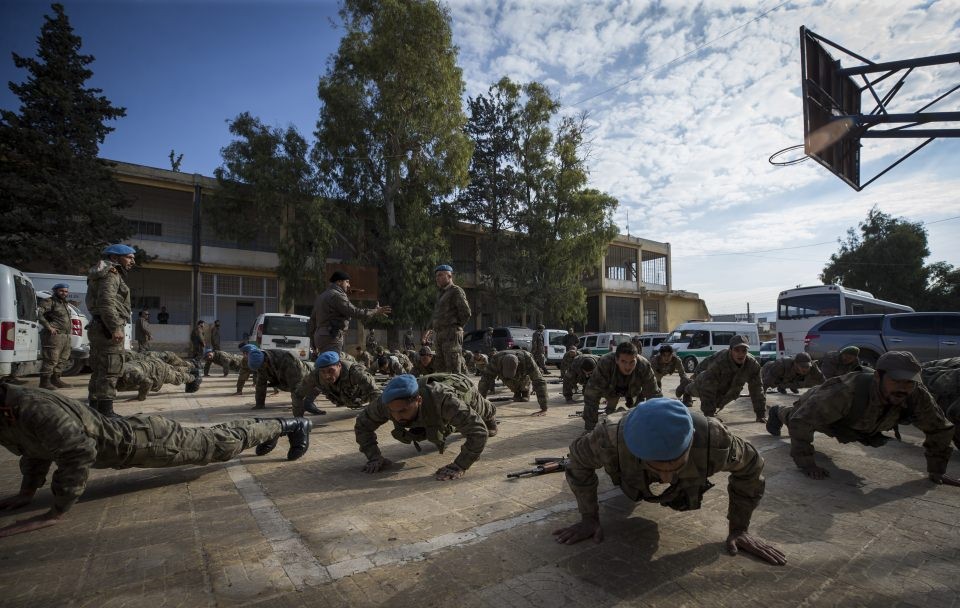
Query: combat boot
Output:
(773,421)
(309,406)
(493,427)
(193,386)
(296,429)
(57,382)
(45,383)
(105,407)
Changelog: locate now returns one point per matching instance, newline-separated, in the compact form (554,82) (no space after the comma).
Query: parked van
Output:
(19,325)
(695,341)
(279,331)
(79,340)
(599,344)
(648,344)
(553,340)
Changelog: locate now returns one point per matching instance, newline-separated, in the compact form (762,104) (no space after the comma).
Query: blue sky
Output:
(683,147)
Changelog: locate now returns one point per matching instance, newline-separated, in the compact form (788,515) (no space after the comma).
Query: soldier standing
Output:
(424,364)
(518,370)
(46,428)
(539,349)
(488,347)
(343,383)
(571,339)
(428,409)
(578,372)
(858,407)
(142,332)
(450,314)
(215,335)
(791,373)
(198,342)
(720,377)
(622,373)
(664,442)
(665,362)
(108,300)
(163,317)
(332,312)
(55,337)
(372,347)
(408,343)
(839,363)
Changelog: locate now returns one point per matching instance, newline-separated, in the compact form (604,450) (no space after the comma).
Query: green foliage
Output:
(390,143)
(175,160)
(887,258)
(60,203)
(267,186)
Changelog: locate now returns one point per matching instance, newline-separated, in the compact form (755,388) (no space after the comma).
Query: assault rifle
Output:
(551,464)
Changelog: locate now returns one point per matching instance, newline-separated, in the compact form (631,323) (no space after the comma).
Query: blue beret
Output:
(207,350)
(60,286)
(658,429)
(328,358)
(446,267)
(118,249)
(249,348)
(255,359)
(403,386)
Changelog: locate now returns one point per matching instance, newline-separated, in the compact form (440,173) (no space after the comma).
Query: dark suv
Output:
(504,338)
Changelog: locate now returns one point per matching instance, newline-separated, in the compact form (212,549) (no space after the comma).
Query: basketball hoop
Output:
(787,163)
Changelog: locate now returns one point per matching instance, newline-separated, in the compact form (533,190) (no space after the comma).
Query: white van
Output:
(553,339)
(648,344)
(279,331)
(19,325)
(599,344)
(79,340)
(695,341)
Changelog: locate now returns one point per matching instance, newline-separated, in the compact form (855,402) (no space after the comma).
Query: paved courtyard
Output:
(318,532)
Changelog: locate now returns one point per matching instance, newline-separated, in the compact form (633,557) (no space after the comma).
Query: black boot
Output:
(45,383)
(309,406)
(194,386)
(105,407)
(296,429)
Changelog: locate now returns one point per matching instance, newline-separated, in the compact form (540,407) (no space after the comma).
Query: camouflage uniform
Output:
(782,374)
(450,403)
(718,381)
(574,374)
(450,314)
(538,349)
(168,357)
(330,318)
(244,375)
(372,345)
(280,369)
(942,379)
(605,448)
(664,367)
(225,360)
(831,365)
(408,343)
(365,358)
(197,343)
(48,428)
(354,388)
(420,370)
(568,358)
(215,337)
(825,409)
(396,364)
(469,361)
(143,334)
(527,373)
(488,347)
(54,314)
(108,300)
(607,381)
(143,374)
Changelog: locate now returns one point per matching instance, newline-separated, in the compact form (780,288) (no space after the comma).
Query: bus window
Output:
(855,306)
(722,338)
(699,339)
(809,305)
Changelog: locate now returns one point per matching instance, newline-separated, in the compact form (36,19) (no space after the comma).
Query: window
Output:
(722,338)
(623,314)
(26,299)
(145,302)
(621,263)
(284,326)
(919,324)
(853,324)
(142,228)
(590,342)
(809,306)
(651,319)
(853,306)
(699,339)
(654,270)
(950,325)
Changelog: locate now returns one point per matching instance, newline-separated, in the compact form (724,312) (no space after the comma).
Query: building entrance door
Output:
(246,315)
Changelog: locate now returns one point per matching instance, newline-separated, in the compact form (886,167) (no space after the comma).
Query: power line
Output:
(710,255)
(681,57)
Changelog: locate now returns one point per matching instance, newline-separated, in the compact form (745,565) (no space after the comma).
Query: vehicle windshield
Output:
(680,336)
(768,346)
(557,339)
(285,326)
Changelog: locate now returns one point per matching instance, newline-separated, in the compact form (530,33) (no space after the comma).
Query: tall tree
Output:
(60,203)
(268,186)
(390,142)
(886,258)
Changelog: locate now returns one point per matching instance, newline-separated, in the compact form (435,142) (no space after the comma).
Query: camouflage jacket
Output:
(450,403)
(605,448)
(824,409)
(782,372)
(536,342)
(227,361)
(832,366)
(282,370)
(607,380)
(354,388)
(49,428)
(575,373)
(451,309)
(942,379)
(365,358)
(568,358)
(143,374)
(332,311)
(108,297)
(420,370)
(168,357)
(668,366)
(55,314)
(526,368)
(718,380)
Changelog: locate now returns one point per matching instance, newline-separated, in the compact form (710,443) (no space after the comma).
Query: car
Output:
(79,340)
(928,335)
(599,344)
(768,352)
(553,339)
(281,331)
(648,344)
(694,341)
(504,338)
(19,324)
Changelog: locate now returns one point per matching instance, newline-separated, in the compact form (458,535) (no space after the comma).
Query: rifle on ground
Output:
(576,414)
(552,464)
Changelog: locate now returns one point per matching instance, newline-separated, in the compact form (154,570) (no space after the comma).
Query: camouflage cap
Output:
(899,365)
(738,340)
(803,360)
(850,350)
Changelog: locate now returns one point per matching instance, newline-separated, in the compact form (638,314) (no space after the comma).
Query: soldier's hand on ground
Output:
(36,522)
(448,472)
(582,530)
(539,413)
(16,501)
(376,465)
(117,337)
(815,472)
(945,480)
(755,546)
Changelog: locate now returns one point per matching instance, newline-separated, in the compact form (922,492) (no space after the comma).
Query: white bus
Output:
(800,309)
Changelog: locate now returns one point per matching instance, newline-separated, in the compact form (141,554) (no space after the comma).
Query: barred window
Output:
(621,263)
(623,314)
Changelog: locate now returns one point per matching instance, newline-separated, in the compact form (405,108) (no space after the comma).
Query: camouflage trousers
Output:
(521,386)
(56,353)
(143,346)
(161,442)
(541,360)
(449,355)
(591,405)
(106,363)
